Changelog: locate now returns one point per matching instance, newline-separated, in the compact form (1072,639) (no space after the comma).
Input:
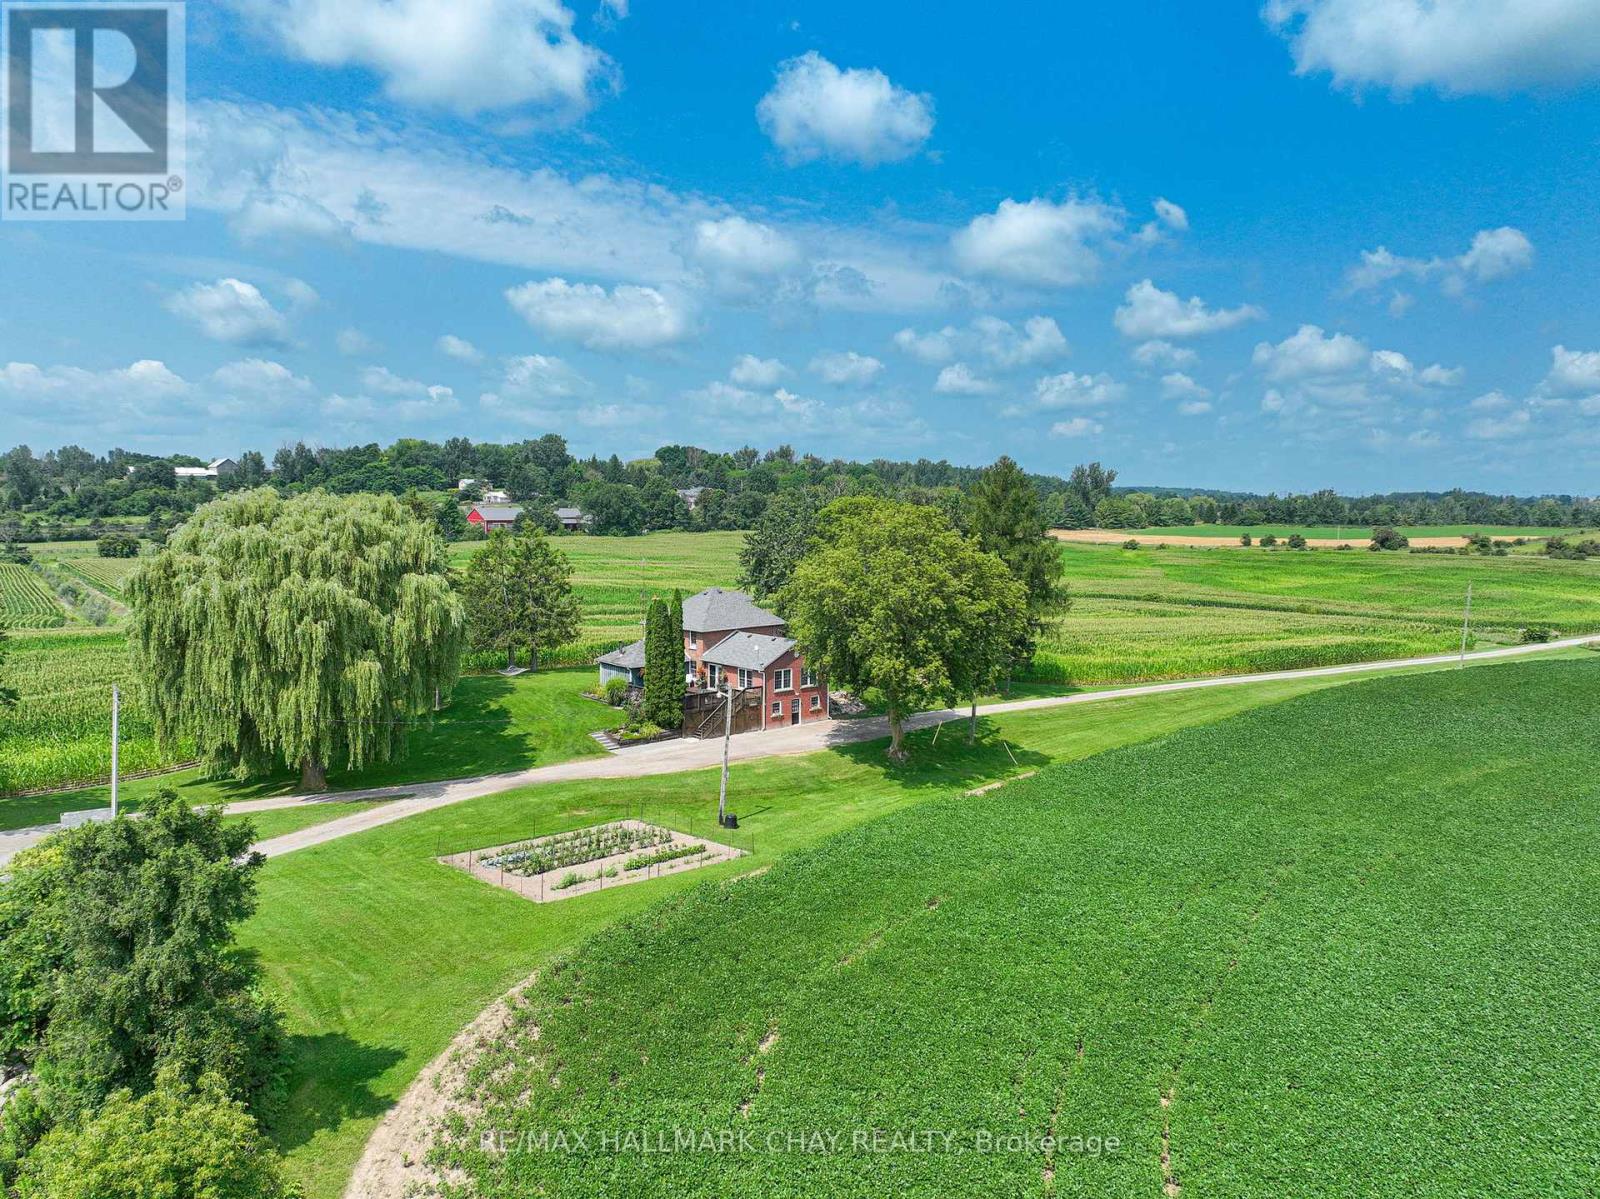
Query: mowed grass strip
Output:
(1338,945)
(380,955)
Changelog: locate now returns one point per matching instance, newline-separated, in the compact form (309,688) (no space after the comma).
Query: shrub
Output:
(1244,539)
(118,545)
(616,690)
(1385,538)
(1534,635)
(1297,541)
(1268,540)
(176,1141)
(1130,544)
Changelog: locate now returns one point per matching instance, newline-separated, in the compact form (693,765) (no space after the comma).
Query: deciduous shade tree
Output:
(118,963)
(776,543)
(306,631)
(174,1142)
(895,605)
(118,545)
(518,593)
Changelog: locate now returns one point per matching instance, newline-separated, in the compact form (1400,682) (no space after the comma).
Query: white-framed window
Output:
(747,678)
(816,703)
(714,674)
(808,677)
(783,680)
(777,707)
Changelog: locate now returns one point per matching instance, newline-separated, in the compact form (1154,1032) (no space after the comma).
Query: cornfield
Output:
(25,601)
(59,732)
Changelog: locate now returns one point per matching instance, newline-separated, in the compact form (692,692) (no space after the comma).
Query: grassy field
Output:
(1253,962)
(381,955)
(25,601)
(1145,615)
(1355,534)
(615,577)
(1180,612)
(492,725)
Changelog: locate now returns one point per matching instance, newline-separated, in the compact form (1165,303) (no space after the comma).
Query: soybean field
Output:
(1229,961)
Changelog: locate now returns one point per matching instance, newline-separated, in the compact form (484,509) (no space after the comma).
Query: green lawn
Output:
(492,725)
(1334,946)
(381,955)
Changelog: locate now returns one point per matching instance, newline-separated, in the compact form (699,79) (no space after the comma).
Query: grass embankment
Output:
(492,725)
(1332,941)
(382,955)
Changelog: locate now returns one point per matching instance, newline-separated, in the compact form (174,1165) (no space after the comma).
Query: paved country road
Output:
(670,757)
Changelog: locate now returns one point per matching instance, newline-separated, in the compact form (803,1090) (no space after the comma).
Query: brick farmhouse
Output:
(727,638)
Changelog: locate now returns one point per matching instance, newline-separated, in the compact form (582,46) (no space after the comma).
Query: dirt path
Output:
(672,757)
(393,1163)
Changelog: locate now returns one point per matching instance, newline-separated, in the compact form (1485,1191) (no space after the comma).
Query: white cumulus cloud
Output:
(736,251)
(1310,353)
(959,379)
(1038,242)
(815,110)
(1148,312)
(846,368)
(627,317)
(467,56)
(1572,372)
(1456,46)
(750,371)
(1158,353)
(1494,254)
(231,310)
(1078,426)
(458,348)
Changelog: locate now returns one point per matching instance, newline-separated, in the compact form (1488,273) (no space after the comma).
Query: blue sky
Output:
(1344,243)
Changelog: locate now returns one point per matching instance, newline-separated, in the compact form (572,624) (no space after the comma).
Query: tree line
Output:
(46,496)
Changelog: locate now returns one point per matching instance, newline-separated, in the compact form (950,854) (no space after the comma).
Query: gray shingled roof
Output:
(629,657)
(716,611)
(750,651)
(570,514)
(498,511)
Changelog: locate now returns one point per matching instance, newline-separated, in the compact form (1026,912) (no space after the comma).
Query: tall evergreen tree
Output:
(1006,519)
(776,542)
(302,632)
(663,668)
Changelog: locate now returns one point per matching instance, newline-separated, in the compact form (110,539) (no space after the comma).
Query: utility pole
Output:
(1466,622)
(116,712)
(727,738)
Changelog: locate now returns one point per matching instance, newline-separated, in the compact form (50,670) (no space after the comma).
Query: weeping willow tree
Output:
(307,632)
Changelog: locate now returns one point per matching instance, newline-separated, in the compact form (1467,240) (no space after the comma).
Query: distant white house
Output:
(219,468)
(497,497)
(690,496)
(464,484)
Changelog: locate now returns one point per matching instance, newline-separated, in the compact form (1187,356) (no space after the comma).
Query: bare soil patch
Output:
(676,848)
